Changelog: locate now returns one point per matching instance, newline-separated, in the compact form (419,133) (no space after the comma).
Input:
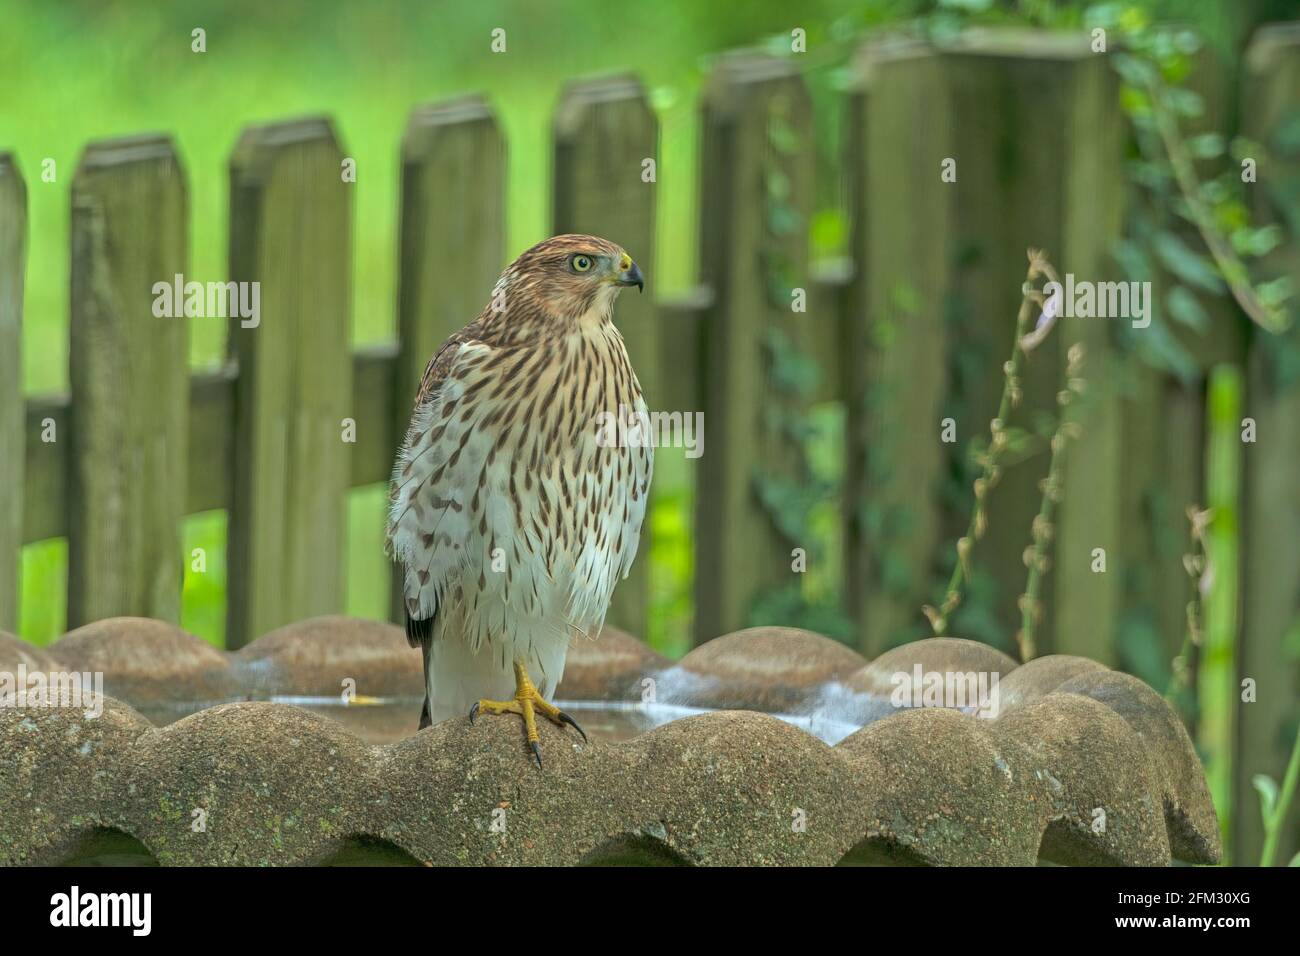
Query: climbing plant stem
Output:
(1025,340)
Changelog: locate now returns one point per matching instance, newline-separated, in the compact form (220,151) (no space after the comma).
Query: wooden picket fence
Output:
(1033,124)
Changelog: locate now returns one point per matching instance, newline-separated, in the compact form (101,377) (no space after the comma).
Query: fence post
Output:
(1270,105)
(756,197)
(1044,169)
(129,374)
(604,132)
(451,237)
(13,260)
(1087,601)
(897,348)
(290,232)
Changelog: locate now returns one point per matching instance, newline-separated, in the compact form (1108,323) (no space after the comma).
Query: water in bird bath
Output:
(610,721)
(830,712)
(390,720)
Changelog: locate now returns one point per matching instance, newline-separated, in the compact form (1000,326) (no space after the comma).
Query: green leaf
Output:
(1158,347)
(1134,102)
(1189,266)
(1206,145)
(1242,148)
(1135,70)
(1150,175)
(1231,215)
(1266,787)
(1187,42)
(1016,438)
(1213,192)
(1105,15)
(1185,308)
(944,26)
(1133,258)
(1134,20)
(1257,242)
(1185,103)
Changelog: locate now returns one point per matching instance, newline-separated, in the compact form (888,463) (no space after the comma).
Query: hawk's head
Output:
(564,279)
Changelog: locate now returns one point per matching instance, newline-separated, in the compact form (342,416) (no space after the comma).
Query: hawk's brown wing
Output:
(420,631)
(436,371)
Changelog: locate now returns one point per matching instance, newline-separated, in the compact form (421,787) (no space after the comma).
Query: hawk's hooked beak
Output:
(629,274)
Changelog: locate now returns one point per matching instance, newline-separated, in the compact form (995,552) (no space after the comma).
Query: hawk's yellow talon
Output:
(495,707)
(526,704)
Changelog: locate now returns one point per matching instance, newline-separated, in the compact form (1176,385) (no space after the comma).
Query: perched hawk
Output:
(516,503)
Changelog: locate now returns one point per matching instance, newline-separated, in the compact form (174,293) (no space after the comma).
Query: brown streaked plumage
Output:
(512,514)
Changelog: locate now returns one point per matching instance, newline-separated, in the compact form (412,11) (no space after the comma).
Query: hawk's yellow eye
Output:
(580,263)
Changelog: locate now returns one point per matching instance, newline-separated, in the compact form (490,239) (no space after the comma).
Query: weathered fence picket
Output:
(940,258)
(13,263)
(1270,577)
(755,205)
(902,214)
(129,374)
(604,132)
(291,232)
(1091,182)
(1030,170)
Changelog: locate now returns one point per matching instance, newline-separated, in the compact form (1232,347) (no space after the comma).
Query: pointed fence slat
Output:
(452,230)
(129,376)
(897,340)
(604,132)
(756,199)
(291,232)
(1024,181)
(940,266)
(1089,516)
(1270,582)
(13,260)
(452,238)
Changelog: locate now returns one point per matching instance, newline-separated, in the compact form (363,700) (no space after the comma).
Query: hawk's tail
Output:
(419,633)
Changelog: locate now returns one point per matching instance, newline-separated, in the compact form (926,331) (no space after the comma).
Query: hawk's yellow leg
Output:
(526,704)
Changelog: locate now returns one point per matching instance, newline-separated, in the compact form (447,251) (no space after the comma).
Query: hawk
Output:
(516,504)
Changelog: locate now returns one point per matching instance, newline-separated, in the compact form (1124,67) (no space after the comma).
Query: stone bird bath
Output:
(766,746)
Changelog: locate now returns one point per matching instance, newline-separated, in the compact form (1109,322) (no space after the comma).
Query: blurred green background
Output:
(75,72)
